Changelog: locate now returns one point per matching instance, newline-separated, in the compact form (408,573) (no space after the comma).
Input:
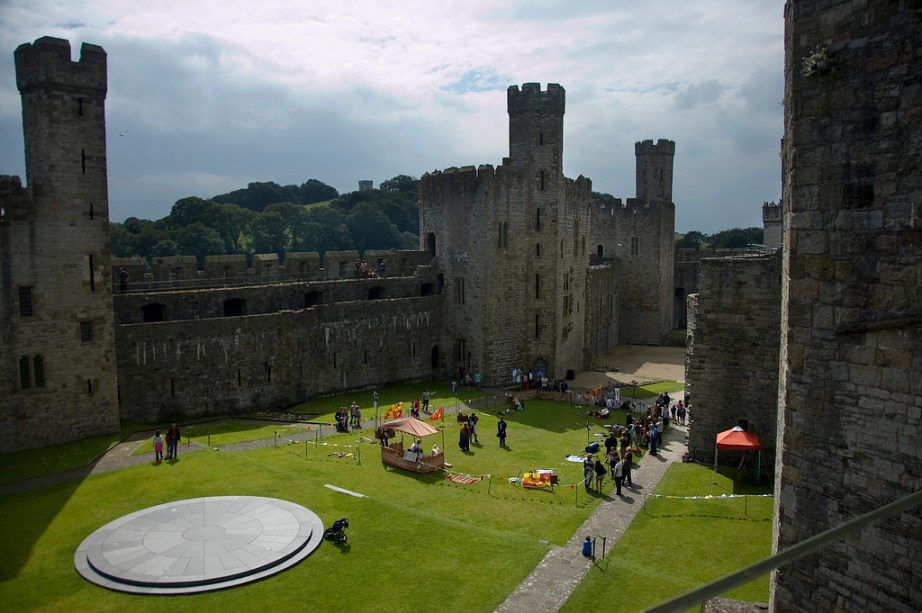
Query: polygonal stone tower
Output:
(511,245)
(851,321)
(54,240)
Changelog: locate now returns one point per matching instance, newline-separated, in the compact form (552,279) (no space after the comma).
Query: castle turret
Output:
(536,126)
(654,170)
(55,245)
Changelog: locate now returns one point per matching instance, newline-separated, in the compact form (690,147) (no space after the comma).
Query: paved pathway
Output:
(554,579)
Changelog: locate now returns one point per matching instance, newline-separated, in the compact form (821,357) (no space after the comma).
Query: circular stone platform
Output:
(198,545)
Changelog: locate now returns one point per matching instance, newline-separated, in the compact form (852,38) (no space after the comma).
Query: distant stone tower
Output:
(641,236)
(366,185)
(511,243)
(58,350)
(771,226)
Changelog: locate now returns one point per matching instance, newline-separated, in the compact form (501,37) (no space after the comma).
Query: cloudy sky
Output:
(211,95)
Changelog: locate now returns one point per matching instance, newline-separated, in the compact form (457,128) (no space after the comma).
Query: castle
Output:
(518,267)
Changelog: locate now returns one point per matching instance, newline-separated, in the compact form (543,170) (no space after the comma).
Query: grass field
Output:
(415,541)
(409,529)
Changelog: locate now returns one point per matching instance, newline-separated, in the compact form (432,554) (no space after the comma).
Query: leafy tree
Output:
(737,238)
(692,240)
(269,232)
(164,248)
(400,183)
(231,222)
(199,240)
(326,230)
(122,241)
(371,229)
(188,211)
(312,191)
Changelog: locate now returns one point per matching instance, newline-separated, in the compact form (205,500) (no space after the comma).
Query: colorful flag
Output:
(436,415)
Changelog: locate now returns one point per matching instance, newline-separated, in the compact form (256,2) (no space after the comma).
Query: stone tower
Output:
(59,380)
(511,243)
(851,319)
(643,233)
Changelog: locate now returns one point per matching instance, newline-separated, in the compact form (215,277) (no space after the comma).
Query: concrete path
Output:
(554,579)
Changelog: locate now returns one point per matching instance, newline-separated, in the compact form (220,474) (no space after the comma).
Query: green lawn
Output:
(676,545)
(453,543)
(419,531)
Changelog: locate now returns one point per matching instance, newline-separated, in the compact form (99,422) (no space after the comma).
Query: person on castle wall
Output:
(122,279)
(173,449)
(158,446)
(382,267)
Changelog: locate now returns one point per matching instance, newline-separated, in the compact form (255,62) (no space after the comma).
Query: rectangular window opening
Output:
(83,161)
(86,331)
(537,219)
(80,106)
(89,387)
(172,388)
(542,180)
(25,302)
(537,286)
(92,276)
(25,374)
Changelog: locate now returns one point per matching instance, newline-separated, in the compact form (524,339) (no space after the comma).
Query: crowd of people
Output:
(364,271)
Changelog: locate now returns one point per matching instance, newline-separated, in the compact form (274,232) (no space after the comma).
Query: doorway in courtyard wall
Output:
(540,364)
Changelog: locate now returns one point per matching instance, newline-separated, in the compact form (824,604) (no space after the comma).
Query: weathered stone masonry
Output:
(851,324)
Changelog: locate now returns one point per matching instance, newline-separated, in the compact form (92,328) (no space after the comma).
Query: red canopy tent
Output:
(737,439)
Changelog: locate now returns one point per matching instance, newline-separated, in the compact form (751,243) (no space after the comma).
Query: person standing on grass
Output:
(501,431)
(599,474)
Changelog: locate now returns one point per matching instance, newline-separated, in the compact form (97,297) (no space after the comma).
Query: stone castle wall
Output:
(852,324)
(226,365)
(732,353)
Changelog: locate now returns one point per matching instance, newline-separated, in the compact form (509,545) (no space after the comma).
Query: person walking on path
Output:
(158,447)
(501,431)
(626,469)
(172,448)
(619,476)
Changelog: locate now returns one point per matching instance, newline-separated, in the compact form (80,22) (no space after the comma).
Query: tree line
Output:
(272,218)
(266,217)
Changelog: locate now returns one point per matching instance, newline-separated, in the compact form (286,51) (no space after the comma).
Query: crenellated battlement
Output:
(531,98)
(661,147)
(46,62)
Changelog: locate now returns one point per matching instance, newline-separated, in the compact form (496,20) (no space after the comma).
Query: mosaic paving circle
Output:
(199,545)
